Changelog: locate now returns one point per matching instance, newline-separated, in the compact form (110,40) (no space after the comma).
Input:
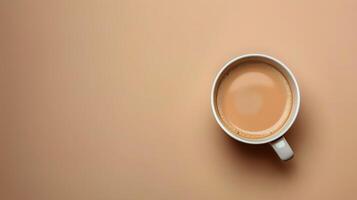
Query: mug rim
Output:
(286,126)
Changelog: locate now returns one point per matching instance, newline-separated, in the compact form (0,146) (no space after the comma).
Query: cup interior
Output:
(279,66)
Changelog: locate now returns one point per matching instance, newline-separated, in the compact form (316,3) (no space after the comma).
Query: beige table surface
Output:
(110,99)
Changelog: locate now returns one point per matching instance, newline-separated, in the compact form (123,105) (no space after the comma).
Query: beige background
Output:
(110,99)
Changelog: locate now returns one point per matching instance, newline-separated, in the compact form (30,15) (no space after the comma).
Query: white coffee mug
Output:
(277,140)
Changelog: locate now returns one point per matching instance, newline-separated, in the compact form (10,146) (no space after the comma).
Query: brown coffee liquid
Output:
(254,100)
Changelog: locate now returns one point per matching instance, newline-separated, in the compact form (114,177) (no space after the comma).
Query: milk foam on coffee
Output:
(254,99)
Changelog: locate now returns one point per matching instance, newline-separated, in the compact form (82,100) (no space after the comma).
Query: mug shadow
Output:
(262,157)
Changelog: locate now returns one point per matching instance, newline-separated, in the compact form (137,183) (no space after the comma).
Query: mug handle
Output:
(282,148)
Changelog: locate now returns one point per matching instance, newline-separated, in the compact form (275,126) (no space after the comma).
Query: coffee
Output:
(254,99)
